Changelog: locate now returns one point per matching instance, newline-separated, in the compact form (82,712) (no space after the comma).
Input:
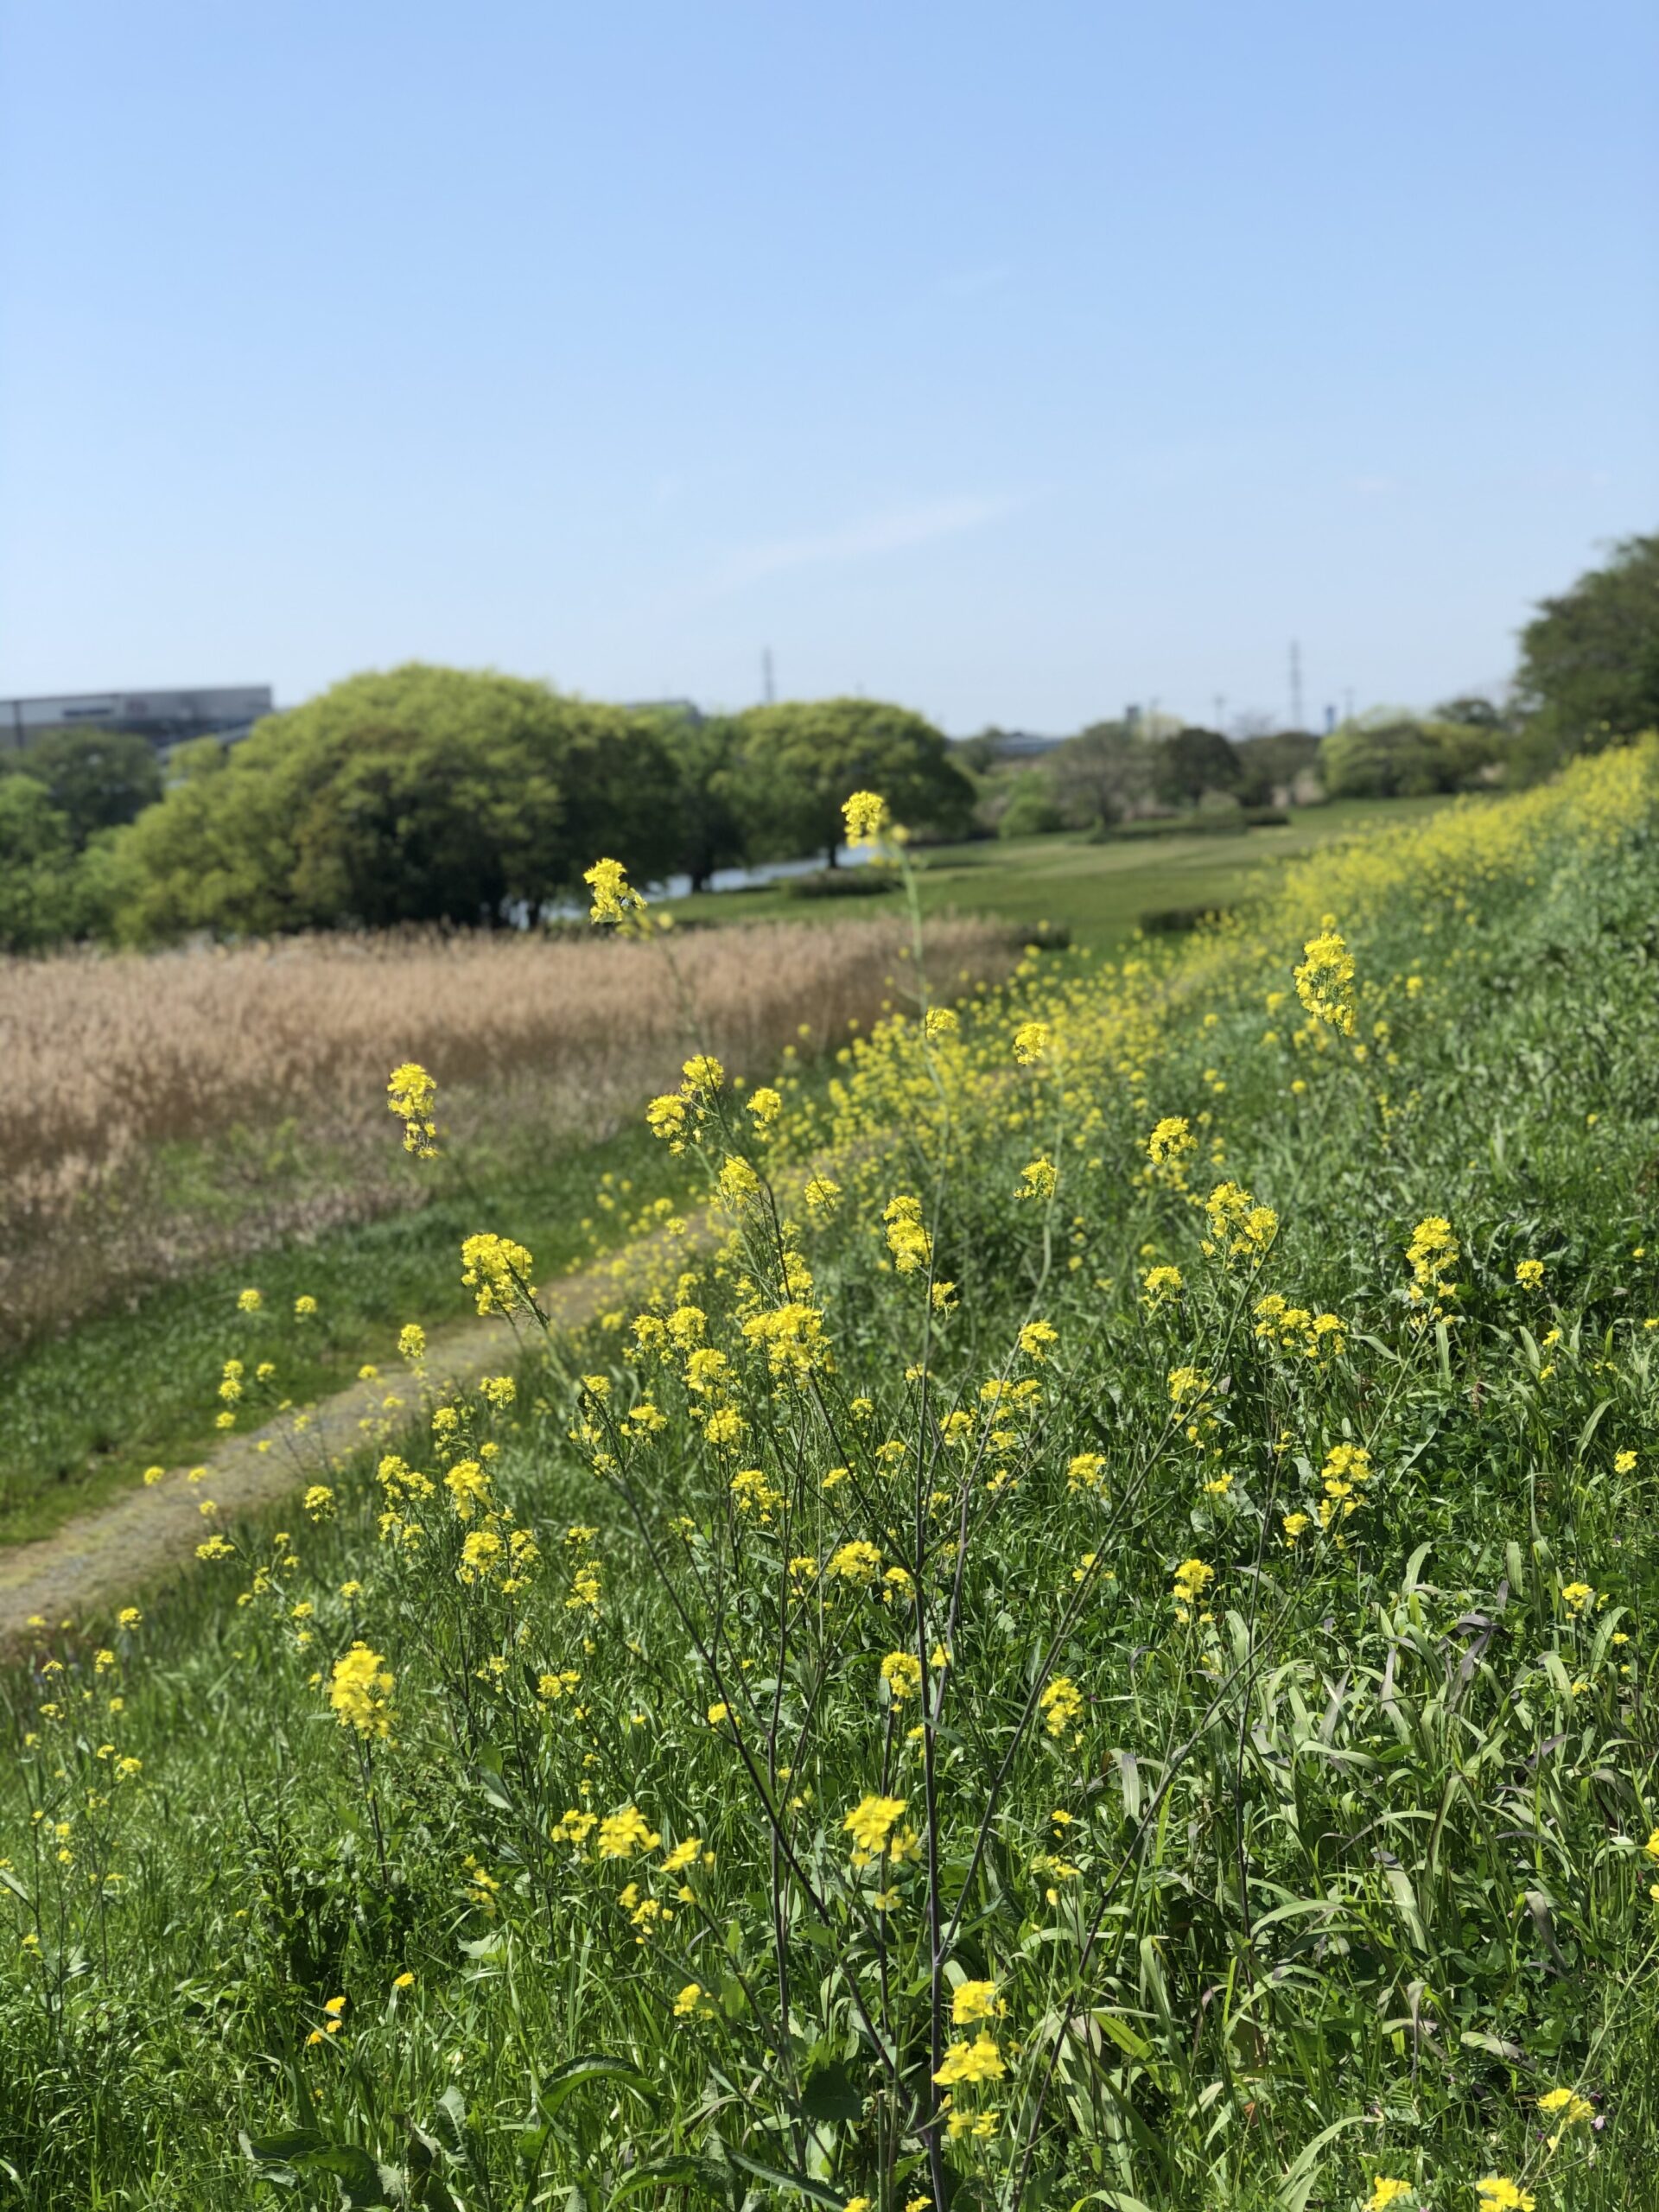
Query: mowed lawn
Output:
(1102,893)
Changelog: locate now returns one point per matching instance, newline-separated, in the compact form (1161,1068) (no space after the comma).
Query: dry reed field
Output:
(164,1109)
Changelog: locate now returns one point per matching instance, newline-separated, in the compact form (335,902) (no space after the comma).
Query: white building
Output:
(165,718)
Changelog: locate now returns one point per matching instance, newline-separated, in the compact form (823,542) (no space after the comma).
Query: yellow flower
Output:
(405,1980)
(691,2004)
(1170,1143)
(1036,1338)
(1031,1040)
(248,1301)
(1039,1178)
(718,1713)
(1324,981)
(1385,2192)
(975,2000)
(359,1690)
(738,1181)
(979,2060)
(902,1673)
(1530,1274)
(129,1617)
(622,1834)
(616,904)
(907,1240)
(857,1561)
(320,1502)
(939,1021)
(1191,1577)
(1568,2108)
(412,1094)
(499,1271)
(1576,1596)
(703,1075)
(867,816)
(304,1306)
(765,1104)
(1061,1705)
(1294,1525)
(1651,1847)
(1624,1462)
(871,1821)
(1497,2195)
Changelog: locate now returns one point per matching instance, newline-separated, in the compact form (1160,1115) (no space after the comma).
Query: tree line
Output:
(426,794)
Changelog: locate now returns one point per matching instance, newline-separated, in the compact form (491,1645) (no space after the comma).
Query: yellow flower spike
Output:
(866,815)
(411,1095)
(872,1821)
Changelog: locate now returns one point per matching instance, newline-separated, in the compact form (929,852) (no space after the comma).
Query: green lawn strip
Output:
(86,1412)
(1100,891)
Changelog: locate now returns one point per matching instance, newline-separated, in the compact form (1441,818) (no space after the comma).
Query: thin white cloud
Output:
(864,540)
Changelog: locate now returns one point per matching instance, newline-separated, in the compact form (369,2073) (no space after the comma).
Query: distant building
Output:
(165,718)
(1010,744)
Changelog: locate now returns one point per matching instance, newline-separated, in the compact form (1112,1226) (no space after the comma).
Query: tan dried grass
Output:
(144,1095)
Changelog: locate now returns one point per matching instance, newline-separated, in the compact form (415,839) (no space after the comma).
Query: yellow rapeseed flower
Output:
(359,1690)
(411,1095)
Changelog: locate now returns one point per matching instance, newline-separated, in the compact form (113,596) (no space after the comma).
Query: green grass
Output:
(87,1411)
(1227,1861)
(1100,891)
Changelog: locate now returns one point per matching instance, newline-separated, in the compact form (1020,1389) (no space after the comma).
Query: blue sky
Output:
(1015,361)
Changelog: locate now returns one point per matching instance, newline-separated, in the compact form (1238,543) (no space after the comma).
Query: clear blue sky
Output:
(1015,361)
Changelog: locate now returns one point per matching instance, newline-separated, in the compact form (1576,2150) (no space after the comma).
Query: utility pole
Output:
(766,690)
(1296,685)
(1221,712)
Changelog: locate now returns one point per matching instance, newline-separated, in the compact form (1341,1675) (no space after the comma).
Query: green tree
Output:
(1102,774)
(1271,766)
(796,763)
(37,868)
(1589,673)
(96,778)
(1192,762)
(708,829)
(1397,756)
(421,794)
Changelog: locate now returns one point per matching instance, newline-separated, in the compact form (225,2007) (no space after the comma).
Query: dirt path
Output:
(125,1550)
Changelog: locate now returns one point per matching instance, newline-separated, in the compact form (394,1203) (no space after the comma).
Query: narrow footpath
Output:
(127,1550)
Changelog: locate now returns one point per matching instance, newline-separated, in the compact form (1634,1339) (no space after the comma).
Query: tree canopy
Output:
(1589,672)
(95,779)
(795,763)
(421,794)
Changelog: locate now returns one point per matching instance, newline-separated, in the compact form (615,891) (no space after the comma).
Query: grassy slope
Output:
(1362,1902)
(1100,891)
(85,1413)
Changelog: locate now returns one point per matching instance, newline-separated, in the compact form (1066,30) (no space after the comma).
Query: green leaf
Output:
(594,2067)
(683,2172)
(12,1883)
(801,2184)
(281,2150)
(364,2186)
(829,2093)
(1297,2184)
